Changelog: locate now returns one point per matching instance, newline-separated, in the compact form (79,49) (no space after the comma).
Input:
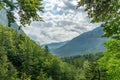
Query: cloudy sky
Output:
(62,22)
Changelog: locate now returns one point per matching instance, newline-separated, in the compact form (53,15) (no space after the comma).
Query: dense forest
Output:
(86,65)
(22,59)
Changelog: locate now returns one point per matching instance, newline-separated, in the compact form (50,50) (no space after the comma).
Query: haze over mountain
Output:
(4,21)
(88,42)
(55,45)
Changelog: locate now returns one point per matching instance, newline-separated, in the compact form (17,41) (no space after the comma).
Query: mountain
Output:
(56,45)
(88,42)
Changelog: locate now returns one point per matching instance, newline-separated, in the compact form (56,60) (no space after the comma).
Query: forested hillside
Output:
(86,65)
(22,59)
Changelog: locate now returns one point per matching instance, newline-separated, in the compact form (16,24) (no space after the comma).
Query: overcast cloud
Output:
(62,22)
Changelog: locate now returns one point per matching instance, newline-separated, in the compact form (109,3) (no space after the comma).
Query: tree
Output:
(87,70)
(43,76)
(46,50)
(26,9)
(109,63)
(105,11)
(7,70)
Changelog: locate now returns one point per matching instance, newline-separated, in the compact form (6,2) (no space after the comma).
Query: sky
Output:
(63,22)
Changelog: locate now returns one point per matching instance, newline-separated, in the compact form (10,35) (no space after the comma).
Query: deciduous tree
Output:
(105,11)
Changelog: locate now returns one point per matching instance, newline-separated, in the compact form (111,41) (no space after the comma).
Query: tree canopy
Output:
(26,9)
(105,11)
(109,63)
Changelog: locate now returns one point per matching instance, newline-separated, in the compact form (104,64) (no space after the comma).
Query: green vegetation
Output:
(22,59)
(110,62)
(86,65)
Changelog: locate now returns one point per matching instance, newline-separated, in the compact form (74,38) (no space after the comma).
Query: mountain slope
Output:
(56,45)
(89,42)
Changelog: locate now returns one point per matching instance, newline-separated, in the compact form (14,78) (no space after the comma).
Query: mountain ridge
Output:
(88,42)
(55,45)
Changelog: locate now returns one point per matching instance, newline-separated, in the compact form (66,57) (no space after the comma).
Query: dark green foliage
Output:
(46,50)
(7,70)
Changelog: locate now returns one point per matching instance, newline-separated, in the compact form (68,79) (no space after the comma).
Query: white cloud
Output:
(62,22)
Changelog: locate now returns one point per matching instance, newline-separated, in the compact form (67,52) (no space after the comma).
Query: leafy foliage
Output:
(109,63)
(26,9)
(106,11)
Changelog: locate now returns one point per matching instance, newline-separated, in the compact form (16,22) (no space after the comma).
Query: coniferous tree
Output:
(46,50)
(7,70)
